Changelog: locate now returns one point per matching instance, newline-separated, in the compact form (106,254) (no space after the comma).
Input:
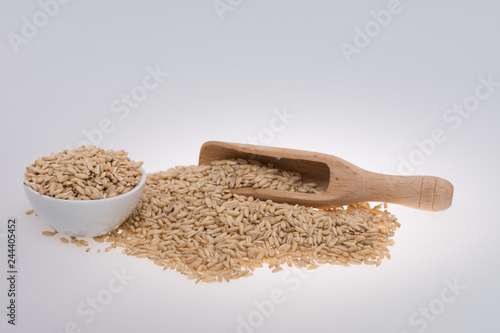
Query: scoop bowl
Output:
(85,218)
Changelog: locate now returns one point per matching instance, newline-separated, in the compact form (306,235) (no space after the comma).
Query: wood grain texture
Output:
(342,183)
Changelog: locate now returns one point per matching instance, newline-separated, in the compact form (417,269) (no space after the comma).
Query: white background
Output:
(227,78)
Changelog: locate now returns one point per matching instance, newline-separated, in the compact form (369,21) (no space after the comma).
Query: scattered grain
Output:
(189,221)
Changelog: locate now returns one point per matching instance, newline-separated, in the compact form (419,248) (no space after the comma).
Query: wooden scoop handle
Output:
(421,192)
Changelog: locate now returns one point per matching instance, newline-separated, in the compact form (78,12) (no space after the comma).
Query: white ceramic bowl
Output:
(85,218)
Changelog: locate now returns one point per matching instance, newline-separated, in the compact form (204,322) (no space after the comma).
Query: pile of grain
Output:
(188,220)
(85,173)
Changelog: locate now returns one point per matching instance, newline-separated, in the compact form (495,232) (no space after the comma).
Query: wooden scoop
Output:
(342,183)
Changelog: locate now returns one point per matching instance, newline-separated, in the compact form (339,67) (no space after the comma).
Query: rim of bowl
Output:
(136,188)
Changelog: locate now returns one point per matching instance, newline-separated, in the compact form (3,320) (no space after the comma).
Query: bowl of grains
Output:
(84,192)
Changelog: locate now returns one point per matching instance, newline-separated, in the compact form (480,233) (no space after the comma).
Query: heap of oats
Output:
(188,220)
